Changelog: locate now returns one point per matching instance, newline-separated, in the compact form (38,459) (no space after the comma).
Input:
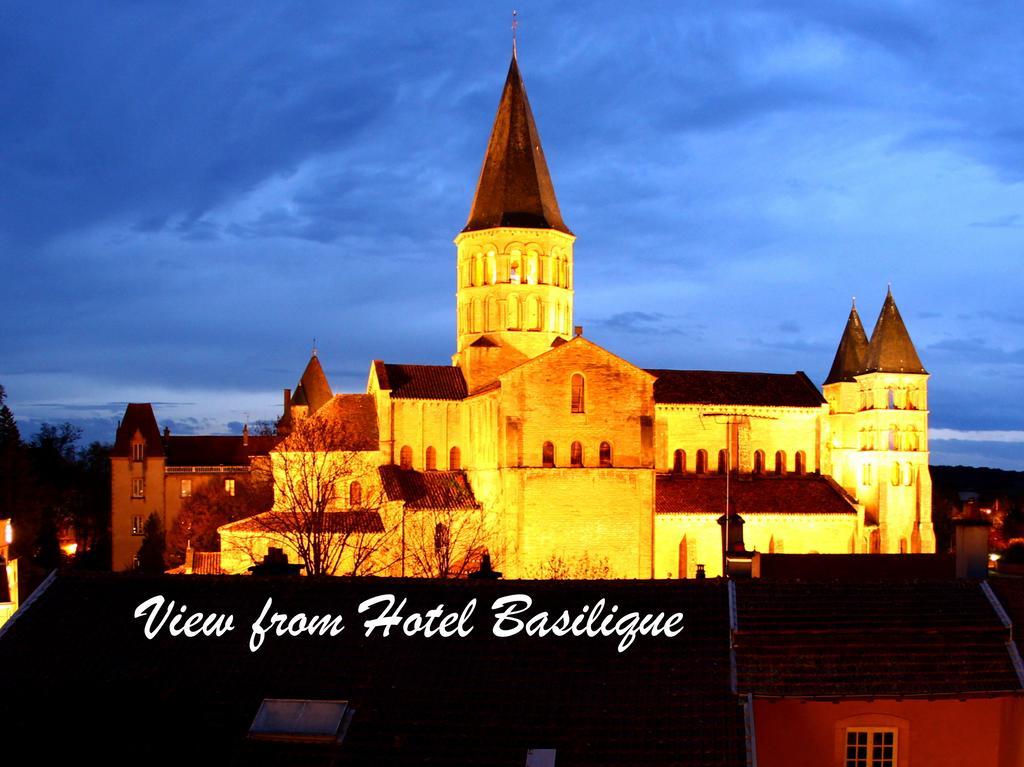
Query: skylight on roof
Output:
(540,757)
(316,720)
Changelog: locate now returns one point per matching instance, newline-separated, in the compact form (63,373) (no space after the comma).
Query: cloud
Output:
(969,435)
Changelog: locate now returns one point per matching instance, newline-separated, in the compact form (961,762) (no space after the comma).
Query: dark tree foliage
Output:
(209,507)
(151,551)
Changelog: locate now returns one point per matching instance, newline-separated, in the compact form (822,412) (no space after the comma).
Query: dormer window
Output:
(138,451)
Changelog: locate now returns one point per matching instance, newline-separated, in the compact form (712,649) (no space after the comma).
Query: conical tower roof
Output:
(852,351)
(515,186)
(313,389)
(890,349)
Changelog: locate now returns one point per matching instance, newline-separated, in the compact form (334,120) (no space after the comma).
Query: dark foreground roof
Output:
(427,489)
(77,669)
(421,381)
(713,387)
(856,566)
(765,494)
(870,639)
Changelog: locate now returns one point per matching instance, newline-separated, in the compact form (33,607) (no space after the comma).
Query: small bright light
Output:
(8,533)
(70,549)
(993,557)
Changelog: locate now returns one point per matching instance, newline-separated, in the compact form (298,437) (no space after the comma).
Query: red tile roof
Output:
(710,387)
(428,489)
(333,523)
(352,420)
(421,381)
(215,450)
(138,416)
(478,701)
(869,640)
(766,494)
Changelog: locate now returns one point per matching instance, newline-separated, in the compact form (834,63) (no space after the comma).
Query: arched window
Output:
(723,461)
(679,461)
(355,495)
(478,269)
(442,538)
(454,459)
(578,393)
(605,459)
(801,462)
(405,457)
(780,461)
(532,313)
(895,473)
(431,459)
(891,399)
(515,272)
(576,455)
(894,437)
(759,461)
(875,542)
(908,474)
(513,313)
(702,462)
(866,478)
(548,457)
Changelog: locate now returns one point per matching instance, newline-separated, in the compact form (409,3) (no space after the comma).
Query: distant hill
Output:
(948,482)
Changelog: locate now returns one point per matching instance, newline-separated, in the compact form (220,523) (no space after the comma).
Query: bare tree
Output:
(327,500)
(445,542)
(558,568)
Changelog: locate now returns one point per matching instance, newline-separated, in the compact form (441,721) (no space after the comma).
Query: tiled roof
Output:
(478,701)
(1010,593)
(869,639)
(857,566)
(427,489)
(313,389)
(352,425)
(206,563)
(421,381)
(710,387)
(138,416)
(515,187)
(852,351)
(215,450)
(334,522)
(890,349)
(765,494)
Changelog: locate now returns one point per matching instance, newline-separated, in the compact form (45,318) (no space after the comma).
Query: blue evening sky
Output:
(190,193)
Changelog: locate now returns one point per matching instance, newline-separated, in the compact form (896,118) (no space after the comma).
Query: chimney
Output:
(245,435)
(167,432)
(971,531)
(189,558)
(578,330)
(287,400)
(486,572)
(275,563)
(737,562)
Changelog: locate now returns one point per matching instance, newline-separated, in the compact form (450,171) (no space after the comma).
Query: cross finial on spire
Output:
(854,302)
(515,26)
(314,346)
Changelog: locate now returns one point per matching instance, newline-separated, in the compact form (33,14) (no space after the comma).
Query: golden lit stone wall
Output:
(767,533)
(706,427)
(516,286)
(878,444)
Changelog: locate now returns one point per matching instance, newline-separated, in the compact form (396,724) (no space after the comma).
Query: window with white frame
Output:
(186,488)
(870,747)
(138,488)
(229,486)
(138,451)
(137,524)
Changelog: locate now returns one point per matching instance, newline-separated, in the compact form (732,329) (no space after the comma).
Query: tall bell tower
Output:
(515,254)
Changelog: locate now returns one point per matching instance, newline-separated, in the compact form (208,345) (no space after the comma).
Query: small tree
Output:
(445,542)
(333,527)
(151,551)
(558,568)
(211,506)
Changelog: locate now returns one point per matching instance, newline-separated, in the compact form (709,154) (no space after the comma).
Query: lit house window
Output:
(186,488)
(871,747)
(137,524)
(577,393)
(139,488)
(229,486)
(138,451)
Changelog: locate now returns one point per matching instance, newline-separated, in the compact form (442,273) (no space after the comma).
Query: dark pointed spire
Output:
(515,186)
(313,389)
(890,349)
(852,352)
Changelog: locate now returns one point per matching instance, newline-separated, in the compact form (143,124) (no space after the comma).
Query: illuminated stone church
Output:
(574,454)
